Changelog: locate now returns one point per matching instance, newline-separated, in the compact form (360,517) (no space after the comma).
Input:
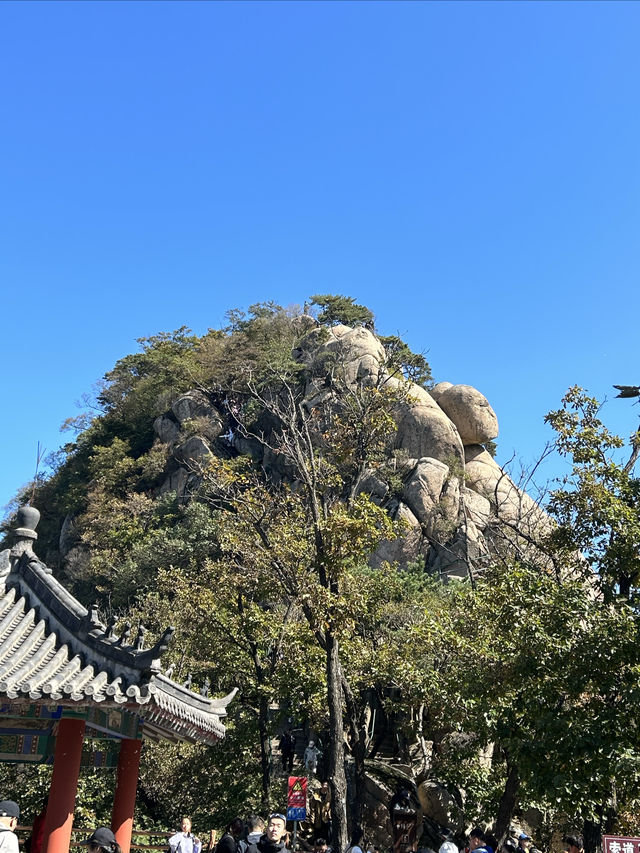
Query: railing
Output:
(79,833)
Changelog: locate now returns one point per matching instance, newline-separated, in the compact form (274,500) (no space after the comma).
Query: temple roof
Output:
(54,651)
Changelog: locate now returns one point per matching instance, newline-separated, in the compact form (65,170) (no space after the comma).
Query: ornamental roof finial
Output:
(27,519)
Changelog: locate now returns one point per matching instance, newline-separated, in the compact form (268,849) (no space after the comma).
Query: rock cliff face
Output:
(458,505)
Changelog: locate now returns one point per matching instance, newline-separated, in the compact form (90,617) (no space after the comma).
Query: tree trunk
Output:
(358,729)
(592,836)
(337,778)
(265,763)
(507,804)
(359,754)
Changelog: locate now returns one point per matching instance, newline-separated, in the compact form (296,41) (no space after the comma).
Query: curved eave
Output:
(175,712)
(43,661)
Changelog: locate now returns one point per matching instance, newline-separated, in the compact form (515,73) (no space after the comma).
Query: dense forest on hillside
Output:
(245,486)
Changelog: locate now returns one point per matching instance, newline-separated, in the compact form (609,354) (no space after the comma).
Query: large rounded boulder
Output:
(194,407)
(423,428)
(470,412)
(356,352)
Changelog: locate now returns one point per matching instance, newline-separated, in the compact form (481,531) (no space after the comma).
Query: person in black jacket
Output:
(271,841)
(229,843)
(287,747)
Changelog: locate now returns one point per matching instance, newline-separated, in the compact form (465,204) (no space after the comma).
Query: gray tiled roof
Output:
(54,650)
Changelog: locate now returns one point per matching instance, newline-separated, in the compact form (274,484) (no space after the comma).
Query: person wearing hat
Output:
(102,840)
(9,814)
(524,842)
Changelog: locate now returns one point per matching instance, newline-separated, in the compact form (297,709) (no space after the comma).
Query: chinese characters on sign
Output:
(297,798)
(618,844)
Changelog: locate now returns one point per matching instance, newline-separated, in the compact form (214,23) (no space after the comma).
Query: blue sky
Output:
(469,171)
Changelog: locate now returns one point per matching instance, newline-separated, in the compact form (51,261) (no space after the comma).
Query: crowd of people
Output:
(240,836)
(480,841)
(255,835)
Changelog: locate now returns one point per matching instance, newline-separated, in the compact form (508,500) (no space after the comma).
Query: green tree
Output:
(597,507)
(413,366)
(542,669)
(231,630)
(542,663)
(334,309)
(316,528)
(267,564)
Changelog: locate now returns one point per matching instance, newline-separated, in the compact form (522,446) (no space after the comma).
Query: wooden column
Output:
(124,801)
(64,784)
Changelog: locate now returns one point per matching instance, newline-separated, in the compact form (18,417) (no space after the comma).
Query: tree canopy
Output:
(499,688)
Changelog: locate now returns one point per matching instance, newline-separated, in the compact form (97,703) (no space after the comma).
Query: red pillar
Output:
(124,801)
(64,784)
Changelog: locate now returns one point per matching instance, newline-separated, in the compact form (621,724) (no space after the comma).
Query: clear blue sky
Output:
(469,171)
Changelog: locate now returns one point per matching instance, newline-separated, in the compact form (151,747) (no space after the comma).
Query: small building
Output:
(74,693)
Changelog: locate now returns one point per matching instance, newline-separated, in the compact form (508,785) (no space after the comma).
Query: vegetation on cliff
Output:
(519,688)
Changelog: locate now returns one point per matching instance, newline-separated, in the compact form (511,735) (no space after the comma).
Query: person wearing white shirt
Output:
(184,841)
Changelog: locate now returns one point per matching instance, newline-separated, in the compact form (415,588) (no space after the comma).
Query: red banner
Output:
(297,792)
(620,844)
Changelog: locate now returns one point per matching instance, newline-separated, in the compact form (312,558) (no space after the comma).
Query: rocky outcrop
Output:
(166,429)
(439,389)
(508,504)
(356,355)
(440,806)
(477,508)
(406,546)
(192,405)
(193,452)
(452,495)
(190,430)
(470,411)
(424,487)
(423,428)
(69,536)
(177,481)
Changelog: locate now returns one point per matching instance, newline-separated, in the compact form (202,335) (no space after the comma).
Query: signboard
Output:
(297,798)
(404,821)
(296,814)
(620,844)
